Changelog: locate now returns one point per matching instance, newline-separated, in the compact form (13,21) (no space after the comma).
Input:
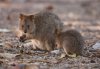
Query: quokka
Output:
(42,26)
(71,41)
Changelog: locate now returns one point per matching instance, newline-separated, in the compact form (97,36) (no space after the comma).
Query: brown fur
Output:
(42,26)
(71,41)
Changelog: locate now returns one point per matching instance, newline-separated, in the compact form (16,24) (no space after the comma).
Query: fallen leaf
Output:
(8,45)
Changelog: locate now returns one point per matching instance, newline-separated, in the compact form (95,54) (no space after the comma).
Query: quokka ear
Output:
(21,16)
(32,17)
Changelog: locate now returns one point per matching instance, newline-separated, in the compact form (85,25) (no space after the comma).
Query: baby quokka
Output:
(71,41)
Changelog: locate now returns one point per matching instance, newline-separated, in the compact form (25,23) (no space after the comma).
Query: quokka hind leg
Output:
(68,50)
(69,54)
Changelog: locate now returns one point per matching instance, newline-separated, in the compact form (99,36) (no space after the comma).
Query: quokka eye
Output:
(22,26)
(28,26)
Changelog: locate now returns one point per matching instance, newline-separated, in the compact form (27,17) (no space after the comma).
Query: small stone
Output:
(96,46)
(55,52)
(83,61)
(54,60)
(5,30)
(92,61)
(1,44)
(8,55)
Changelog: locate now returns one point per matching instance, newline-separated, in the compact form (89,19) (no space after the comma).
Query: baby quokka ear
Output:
(22,16)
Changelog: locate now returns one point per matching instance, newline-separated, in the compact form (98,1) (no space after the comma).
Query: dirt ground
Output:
(82,15)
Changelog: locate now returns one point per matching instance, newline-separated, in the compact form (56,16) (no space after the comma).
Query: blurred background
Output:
(69,11)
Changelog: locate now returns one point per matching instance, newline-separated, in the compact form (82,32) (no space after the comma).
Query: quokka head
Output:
(26,25)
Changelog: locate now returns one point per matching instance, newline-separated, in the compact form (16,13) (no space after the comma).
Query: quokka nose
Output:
(22,38)
(25,31)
